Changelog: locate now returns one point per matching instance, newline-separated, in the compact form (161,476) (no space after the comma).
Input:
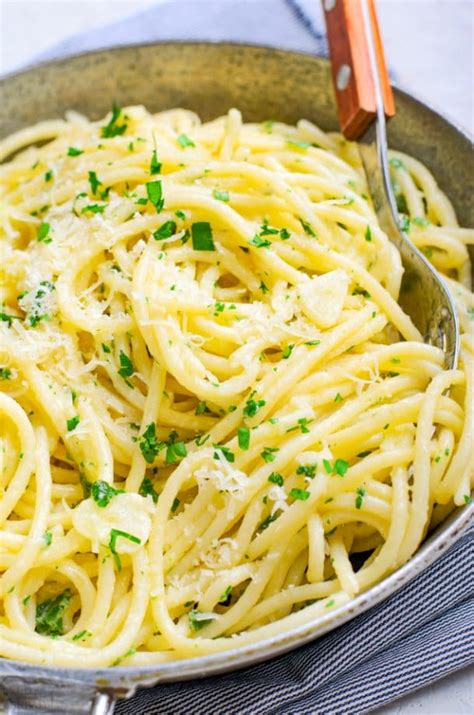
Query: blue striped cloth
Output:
(423,632)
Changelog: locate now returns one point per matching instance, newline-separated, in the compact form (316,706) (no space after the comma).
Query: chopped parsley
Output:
(286,352)
(8,318)
(174,450)
(94,209)
(276,478)
(126,369)
(127,654)
(263,287)
(252,407)
(227,453)
(198,620)
(114,128)
(72,423)
(340,467)
(166,230)
(94,182)
(420,221)
(368,233)
(47,538)
(301,494)
(361,291)
(243,437)
(269,454)
(270,518)
(5,373)
(338,398)
(201,408)
(184,141)
(298,143)
(154,191)
(360,494)
(43,233)
(49,614)
(102,493)
(155,165)
(404,223)
(224,598)
(149,445)
(81,635)
(48,175)
(309,470)
(72,151)
(221,195)
(260,242)
(396,163)
(116,534)
(201,233)
(34,305)
(175,505)
(302,424)
(147,489)
(308,229)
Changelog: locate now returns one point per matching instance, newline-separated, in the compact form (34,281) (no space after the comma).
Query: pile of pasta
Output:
(217,421)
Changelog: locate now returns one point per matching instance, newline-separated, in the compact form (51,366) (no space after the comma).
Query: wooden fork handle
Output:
(349,37)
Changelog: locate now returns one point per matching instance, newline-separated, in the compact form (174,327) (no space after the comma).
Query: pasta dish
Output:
(216,420)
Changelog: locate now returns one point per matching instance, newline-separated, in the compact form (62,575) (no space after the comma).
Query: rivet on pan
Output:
(329,4)
(343,76)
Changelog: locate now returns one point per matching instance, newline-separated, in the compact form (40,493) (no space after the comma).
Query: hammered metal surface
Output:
(264,83)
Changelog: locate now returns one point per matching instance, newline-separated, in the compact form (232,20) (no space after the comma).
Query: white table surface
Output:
(429,44)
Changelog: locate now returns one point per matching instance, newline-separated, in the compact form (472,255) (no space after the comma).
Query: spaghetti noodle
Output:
(217,422)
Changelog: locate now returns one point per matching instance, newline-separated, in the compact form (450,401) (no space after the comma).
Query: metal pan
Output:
(209,78)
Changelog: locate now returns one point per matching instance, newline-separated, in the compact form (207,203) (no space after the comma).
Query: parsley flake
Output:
(309,470)
(198,620)
(269,454)
(72,151)
(260,242)
(102,493)
(201,233)
(114,128)
(360,494)
(301,494)
(72,423)
(184,141)
(221,195)
(252,407)
(154,192)
(276,478)
(149,444)
(243,437)
(147,489)
(155,165)
(126,367)
(49,614)
(166,230)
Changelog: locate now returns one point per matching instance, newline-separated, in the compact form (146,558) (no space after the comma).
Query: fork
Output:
(365,100)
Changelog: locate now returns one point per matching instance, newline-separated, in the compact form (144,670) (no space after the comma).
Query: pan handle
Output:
(350,63)
(47,697)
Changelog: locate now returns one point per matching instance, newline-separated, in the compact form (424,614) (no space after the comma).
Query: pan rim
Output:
(132,677)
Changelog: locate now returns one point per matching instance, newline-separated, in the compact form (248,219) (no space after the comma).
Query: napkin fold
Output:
(421,633)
